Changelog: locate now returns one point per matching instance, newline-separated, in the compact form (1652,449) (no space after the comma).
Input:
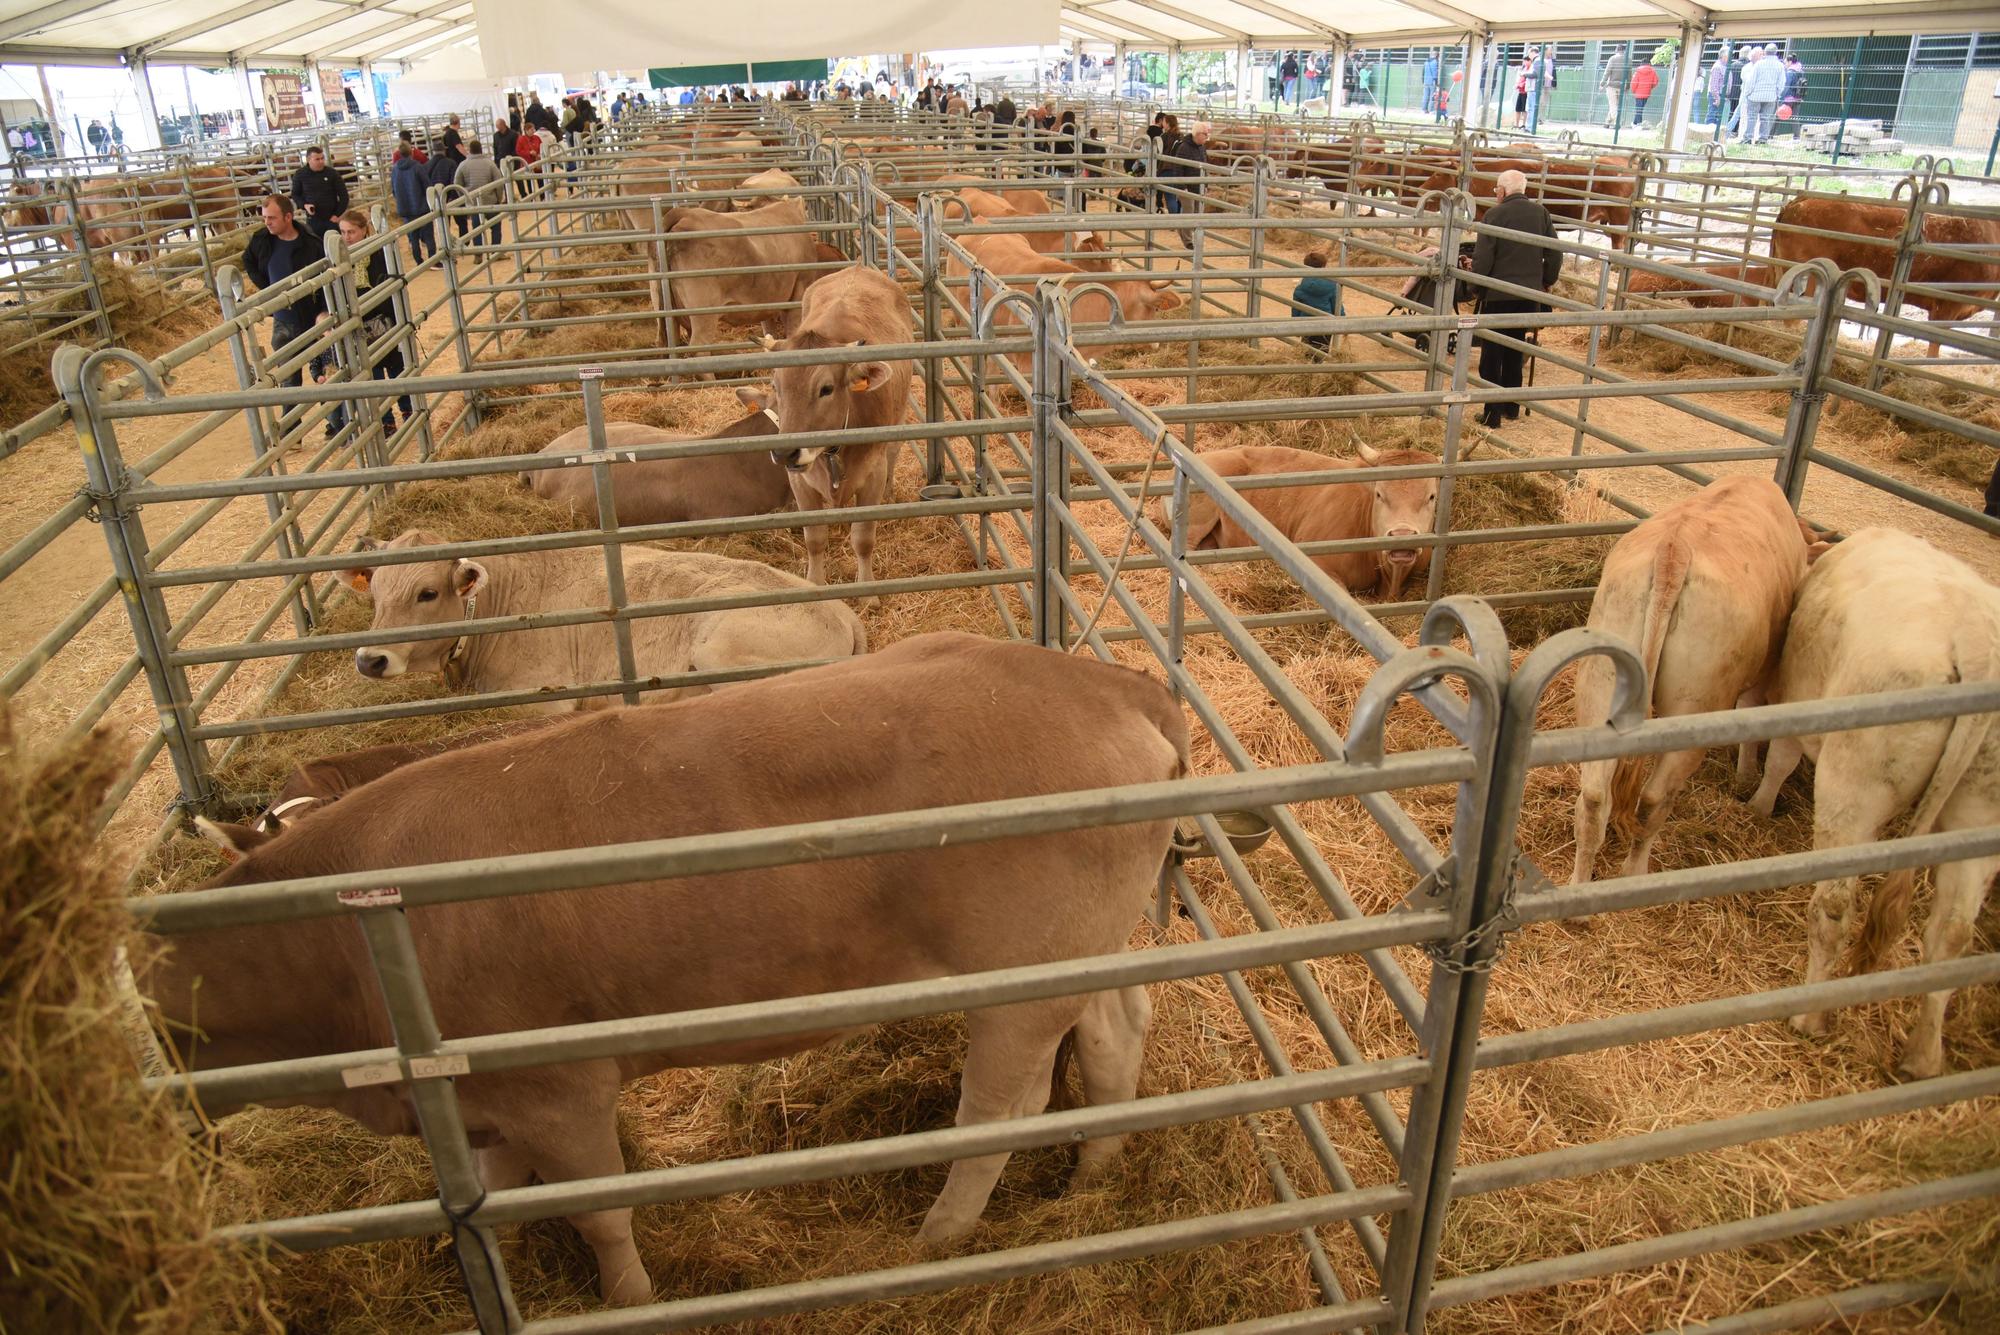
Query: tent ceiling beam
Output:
(1113,22)
(455,34)
(48,16)
(1185,16)
(253,10)
(398,30)
(1307,27)
(1684,10)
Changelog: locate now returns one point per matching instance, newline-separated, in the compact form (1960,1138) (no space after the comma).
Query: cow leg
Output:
(1781,757)
(1593,813)
(1851,805)
(1961,888)
(809,499)
(1656,802)
(863,537)
(1008,1067)
(1746,752)
(1110,1045)
(572,1132)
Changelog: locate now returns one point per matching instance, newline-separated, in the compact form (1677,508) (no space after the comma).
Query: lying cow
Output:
(667,491)
(1973,274)
(1327,512)
(322,782)
(848,308)
(1702,590)
(1885,611)
(985,206)
(422,594)
(1005,255)
(934,720)
(1699,293)
(704,240)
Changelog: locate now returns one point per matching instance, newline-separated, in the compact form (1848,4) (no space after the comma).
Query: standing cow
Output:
(1331,512)
(934,720)
(1702,590)
(1008,257)
(705,249)
(1885,611)
(849,308)
(420,594)
(1970,269)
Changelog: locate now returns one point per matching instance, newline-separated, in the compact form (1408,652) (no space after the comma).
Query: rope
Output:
(1125,545)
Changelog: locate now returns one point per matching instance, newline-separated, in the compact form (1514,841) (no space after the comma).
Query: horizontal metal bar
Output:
(1816,1311)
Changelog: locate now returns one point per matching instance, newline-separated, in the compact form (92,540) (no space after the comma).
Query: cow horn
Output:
(1369,454)
(766,342)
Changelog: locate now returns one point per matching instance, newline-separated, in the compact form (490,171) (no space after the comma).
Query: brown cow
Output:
(324,781)
(215,198)
(1595,193)
(1977,236)
(1703,591)
(112,217)
(844,309)
(1007,256)
(1329,512)
(417,596)
(666,491)
(709,240)
(935,720)
(1705,295)
(985,206)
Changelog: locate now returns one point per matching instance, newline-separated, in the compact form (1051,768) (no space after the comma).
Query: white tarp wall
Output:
(452,80)
(517,35)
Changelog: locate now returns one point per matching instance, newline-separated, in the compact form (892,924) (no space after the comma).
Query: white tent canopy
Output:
(620,33)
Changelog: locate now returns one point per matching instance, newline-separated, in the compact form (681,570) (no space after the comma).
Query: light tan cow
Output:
(421,594)
(848,308)
(665,491)
(1703,591)
(708,240)
(1008,257)
(1330,512)
(765,187)
(1885,611)
(985,206)
(933,720)
(1702,294)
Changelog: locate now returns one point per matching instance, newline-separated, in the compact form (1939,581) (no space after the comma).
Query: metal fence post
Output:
(928,228)
(393,951)
(197,223)
(152,625)
(1051,470)
(1815,360)
(94,293)
(1260,206)
(291,540)
(350,360)
(1922,193)
(406,334)
(1446,298)
(1454,432)
(447,261)
(592,379)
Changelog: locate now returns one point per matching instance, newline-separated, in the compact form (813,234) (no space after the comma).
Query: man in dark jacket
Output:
(319,191)
(503,141)
(453,138)
(1528,264)
(408,180)
(282,249)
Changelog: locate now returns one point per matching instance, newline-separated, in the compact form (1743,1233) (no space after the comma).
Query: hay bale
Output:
(106,1205)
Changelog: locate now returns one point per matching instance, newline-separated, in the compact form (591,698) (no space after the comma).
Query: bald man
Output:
(1521,262)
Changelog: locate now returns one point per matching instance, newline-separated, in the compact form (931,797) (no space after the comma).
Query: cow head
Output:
(1091,254)
(1400,508)
(818,398)
(414,596)
(1138,299)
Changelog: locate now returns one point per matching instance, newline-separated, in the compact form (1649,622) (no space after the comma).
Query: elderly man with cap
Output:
(1521,262)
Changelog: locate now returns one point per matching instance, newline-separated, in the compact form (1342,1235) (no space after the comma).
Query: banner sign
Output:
(284,102)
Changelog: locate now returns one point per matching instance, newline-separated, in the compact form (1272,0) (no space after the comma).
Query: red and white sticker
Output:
(381,897)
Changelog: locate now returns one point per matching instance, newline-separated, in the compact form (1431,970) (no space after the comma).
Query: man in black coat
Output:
(320,192)
(1528,264)
(282,249)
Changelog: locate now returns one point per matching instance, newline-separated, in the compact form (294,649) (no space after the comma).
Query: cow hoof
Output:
(1913,1067)
(865,603)
(1810,1026)
(633,1289)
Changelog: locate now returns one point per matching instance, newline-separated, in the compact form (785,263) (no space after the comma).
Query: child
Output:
(1320,293)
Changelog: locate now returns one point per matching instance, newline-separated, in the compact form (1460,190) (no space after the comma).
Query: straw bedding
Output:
(904,1077)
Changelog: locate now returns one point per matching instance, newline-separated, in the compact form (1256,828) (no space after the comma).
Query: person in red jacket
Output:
(1644,80)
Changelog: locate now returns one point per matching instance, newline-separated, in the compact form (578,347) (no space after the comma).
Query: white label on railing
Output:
(381,897)
(1458,396)
(432,1068)
(374,1073)
(590,373)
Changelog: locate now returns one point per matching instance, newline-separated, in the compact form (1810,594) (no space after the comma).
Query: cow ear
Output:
(757,398)
(1816,550)
(358,577)
(824,252)
(1165,299)
(867,376)
(1369,454)
(233,840)
(467,578)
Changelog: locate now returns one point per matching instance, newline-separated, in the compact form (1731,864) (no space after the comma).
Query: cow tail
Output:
(1889,910)
(1670,572)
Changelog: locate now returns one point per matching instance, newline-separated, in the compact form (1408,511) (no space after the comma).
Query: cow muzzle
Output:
(1402,556)
(801,461)
(380,664)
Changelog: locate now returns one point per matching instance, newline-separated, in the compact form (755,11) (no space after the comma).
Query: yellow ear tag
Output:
(858,386)
(357,580)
